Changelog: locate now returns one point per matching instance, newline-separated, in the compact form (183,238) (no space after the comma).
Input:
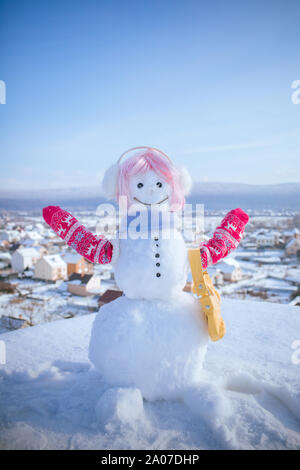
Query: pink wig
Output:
(147,160)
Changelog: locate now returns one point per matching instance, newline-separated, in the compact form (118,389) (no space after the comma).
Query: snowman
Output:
(150,343)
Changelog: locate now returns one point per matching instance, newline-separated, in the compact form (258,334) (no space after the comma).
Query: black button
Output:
(156,238)
(157,255)
(156,244)
(158,265)
(158,274)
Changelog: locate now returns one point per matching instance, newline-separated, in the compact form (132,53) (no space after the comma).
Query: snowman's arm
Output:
(93,248)
(225,238)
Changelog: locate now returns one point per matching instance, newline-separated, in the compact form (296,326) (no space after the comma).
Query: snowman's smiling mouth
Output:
(149,204)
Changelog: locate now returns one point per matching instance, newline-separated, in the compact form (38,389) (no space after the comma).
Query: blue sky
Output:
(207,82)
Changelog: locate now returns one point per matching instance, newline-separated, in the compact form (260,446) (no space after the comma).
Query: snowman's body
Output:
(147,271)
(153,266)
(154,337)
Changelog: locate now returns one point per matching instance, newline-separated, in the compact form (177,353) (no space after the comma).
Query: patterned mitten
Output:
(94,249)
(225,239)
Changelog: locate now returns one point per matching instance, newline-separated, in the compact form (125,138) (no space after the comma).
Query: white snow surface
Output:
(51,397)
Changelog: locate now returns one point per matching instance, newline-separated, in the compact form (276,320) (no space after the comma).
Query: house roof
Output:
(288,233)
(72,258)
(5,256)
(54,260)
(13,322)
(295,301)
(227,268)
(228,265)
(27,252)
(292,242)
(14,247)
(266,236)
(83,279)
(33,235)
(110,295)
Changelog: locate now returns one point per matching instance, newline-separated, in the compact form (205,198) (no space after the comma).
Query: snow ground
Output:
(49,390)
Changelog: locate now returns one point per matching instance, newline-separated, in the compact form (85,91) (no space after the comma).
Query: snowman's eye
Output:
(140,185)
(159,184)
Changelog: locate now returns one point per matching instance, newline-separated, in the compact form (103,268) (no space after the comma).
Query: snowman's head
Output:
(149,179)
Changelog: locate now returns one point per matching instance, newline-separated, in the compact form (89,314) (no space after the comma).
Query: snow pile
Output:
(51,396)
(121,404)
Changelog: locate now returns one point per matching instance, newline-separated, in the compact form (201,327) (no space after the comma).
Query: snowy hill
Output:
(49,389)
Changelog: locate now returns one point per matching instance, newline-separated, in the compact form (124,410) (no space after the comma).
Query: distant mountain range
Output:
(212,195)
(251,196)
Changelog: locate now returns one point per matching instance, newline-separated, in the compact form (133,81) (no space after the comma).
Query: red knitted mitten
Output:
(94,249)
(225,239)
